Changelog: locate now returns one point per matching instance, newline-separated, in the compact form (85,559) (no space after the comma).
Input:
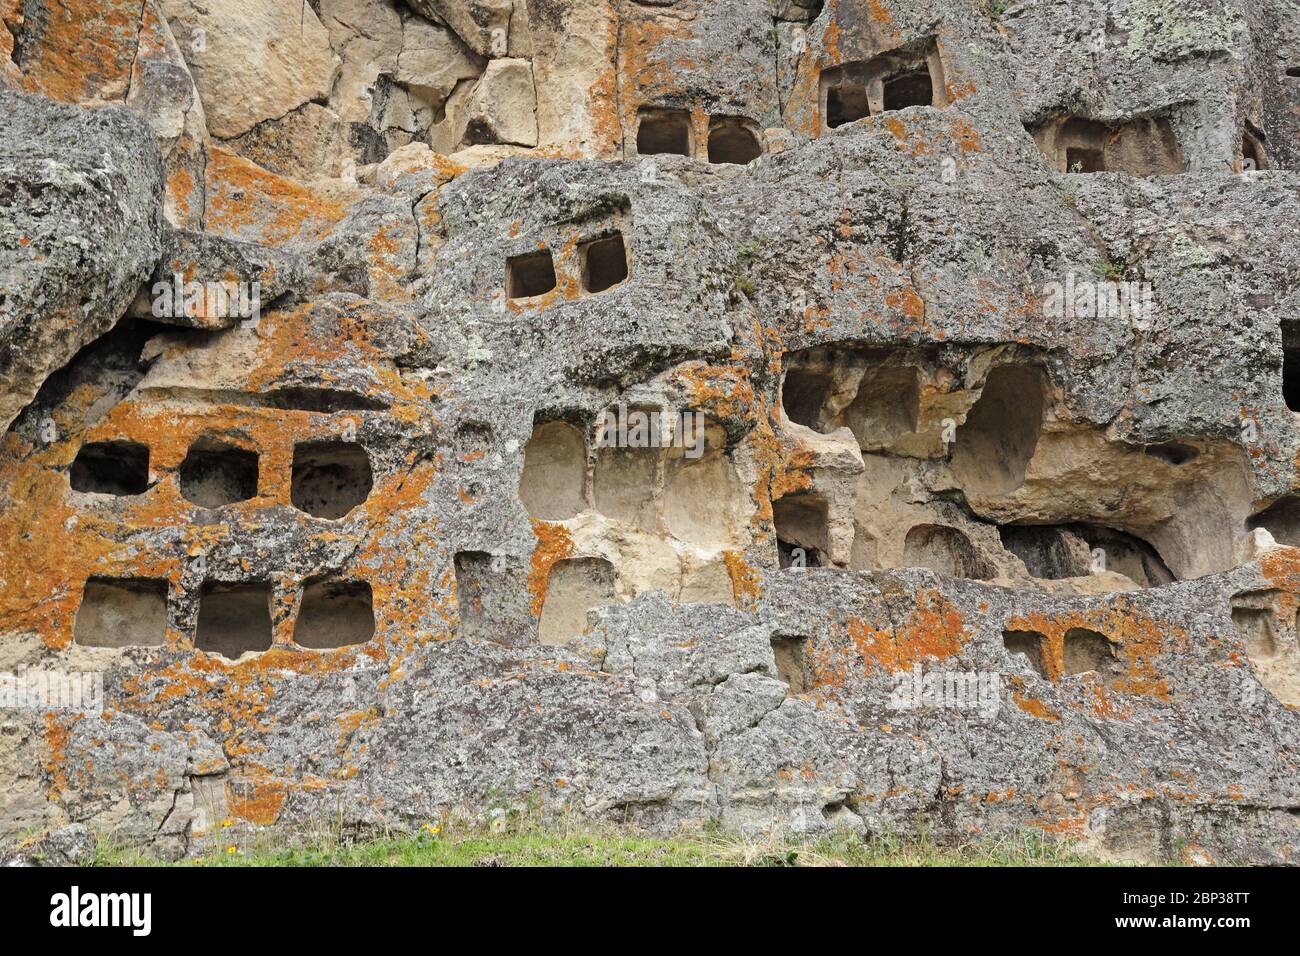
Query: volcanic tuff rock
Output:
(990,518)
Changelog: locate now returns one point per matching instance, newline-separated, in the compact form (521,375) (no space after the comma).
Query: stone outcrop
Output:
(81,228)
(863,415)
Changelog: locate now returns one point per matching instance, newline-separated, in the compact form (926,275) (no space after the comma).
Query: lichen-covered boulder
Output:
(80,229)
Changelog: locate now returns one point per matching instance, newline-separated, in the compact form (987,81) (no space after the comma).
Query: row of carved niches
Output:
(328,480)
(234,618)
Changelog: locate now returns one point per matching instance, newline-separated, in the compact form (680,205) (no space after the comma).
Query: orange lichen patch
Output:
(58,730)
(349,724)
(152,42)
(645,70)
(246,201)
(793,474)
(1140,639)
(933,629)
(1282,569)
(959,91)
(880,13)
(84,50)
(180,188)
(722,391)
(255,800)
(746,588)
(56,539)
(10,18)
(554,543)
(43,561)
(906,301)
(315,340)
(1104,707)
(769,455)
(1035,708)
(387,267)
(914,145)
(602,97)
(966,136)
(429,215)
(1067,827)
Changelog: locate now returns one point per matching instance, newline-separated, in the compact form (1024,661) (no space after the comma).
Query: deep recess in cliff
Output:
(970,331)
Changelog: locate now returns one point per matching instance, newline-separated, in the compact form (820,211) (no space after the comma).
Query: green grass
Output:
(537,845)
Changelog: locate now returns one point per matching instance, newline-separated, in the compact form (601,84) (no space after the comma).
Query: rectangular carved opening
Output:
(490,602)
(801,530)
(529,275)
(1049,553)
(111,468)
(472,583)
(330,478)
(909,88)
(122,612)
(1144,146)
(1254,616)
(573,588)
(604,262)
(844,94)
(1028,644)
(334,614)
(1087,650)
(732,140)
(663,131)
(215,474)
(553,483)
(234,619)
(944,550)
(790,664)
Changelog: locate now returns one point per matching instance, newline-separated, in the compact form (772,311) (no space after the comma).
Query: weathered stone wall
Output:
(949,541)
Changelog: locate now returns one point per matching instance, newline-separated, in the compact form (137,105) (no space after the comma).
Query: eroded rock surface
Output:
(865,415)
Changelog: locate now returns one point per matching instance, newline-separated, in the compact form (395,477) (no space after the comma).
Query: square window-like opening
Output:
(1029,645)
(334,614)
(912,88)
(122,612)
(234,618)
(845,103)
(330,478)
(574,588)
(111,468)
(791,667)
(1088,651)
(529,275)
(604,263)
(801,530)
(1257,628)
(663,131)
(1081,159)
(732,141)
(215,474)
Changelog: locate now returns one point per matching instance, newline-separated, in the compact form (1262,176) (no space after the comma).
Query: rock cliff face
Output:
(797,414)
